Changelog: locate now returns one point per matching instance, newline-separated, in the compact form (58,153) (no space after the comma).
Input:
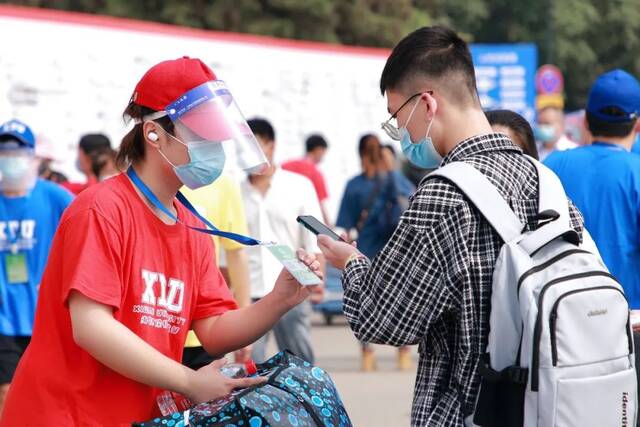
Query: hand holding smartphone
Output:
(316,227)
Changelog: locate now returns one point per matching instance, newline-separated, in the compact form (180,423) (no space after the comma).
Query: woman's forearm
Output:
(117,347)
(239,328)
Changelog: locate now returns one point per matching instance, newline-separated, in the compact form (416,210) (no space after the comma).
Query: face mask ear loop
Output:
(429,128)
(165,157)
(176,139)
(411,113)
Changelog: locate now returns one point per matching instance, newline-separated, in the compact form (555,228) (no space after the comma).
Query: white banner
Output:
(67,74)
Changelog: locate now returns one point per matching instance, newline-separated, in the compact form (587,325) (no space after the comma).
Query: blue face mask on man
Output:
(422,153)
(544,133)
(18,171)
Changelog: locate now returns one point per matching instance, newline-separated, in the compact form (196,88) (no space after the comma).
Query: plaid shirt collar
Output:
(480,144)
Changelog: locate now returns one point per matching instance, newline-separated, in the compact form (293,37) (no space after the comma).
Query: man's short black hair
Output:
(315,141)
(93,142)
(261,127)
(519,126)
(601,128)
(436,53)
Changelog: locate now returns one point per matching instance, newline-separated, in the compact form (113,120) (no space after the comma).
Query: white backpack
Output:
(560,349)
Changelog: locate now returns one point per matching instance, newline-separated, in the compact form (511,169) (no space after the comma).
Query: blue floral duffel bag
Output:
(297,394)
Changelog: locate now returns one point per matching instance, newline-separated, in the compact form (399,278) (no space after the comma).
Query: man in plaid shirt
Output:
(431,284)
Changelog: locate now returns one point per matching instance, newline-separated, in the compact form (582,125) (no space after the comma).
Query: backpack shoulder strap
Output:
(551,195)
(484,196)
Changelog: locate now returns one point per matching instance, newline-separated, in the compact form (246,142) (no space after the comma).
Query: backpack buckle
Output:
(516,374)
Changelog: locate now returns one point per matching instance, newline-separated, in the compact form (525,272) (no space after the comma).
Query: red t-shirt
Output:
(307,168)
(157,277)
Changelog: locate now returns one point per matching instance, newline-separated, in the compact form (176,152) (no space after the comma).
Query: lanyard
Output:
(244,240)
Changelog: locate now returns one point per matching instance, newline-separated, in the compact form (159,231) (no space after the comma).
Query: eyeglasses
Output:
(392,130)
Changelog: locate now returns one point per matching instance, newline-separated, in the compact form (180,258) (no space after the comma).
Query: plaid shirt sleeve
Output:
(395,298)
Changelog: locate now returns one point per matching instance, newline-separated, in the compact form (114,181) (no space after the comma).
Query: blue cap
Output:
(618,89)
(19,132)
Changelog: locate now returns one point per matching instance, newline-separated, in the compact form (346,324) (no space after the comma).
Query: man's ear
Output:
(432,104)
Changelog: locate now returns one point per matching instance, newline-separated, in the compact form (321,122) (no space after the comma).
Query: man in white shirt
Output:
(549,132)
(272,203)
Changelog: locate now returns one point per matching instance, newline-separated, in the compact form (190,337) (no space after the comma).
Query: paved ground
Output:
(379,399)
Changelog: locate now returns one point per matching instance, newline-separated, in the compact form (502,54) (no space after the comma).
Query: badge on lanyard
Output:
(297,268)
(16,266)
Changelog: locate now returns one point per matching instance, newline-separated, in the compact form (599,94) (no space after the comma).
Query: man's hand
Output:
(336,253)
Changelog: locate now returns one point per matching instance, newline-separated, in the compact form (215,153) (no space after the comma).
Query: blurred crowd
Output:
(265,206)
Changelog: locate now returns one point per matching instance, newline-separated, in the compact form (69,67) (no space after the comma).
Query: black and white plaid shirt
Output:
(431,284)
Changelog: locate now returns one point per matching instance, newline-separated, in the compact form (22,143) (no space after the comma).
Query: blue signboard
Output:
(505,76)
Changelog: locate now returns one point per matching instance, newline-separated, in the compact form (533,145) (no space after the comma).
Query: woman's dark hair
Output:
(519,126)
(101,158)
(390,148)
(369,147)
(132,147)
(363,146)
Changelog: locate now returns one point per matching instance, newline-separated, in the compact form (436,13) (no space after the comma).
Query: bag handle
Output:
(551,195)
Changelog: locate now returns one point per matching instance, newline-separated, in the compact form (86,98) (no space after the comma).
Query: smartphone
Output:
(316,227)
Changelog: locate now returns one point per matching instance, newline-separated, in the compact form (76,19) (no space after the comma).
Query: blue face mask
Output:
(17,173)
(206,163)
(422,153)
(544,133)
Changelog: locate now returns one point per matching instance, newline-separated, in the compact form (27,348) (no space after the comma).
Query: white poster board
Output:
(67,74)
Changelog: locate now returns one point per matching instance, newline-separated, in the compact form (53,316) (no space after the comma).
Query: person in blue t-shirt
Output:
(30,210)
(603,179)
(636,145)
(370,211)
(373,200)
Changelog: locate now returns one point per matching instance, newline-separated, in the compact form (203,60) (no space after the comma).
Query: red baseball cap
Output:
(166,81)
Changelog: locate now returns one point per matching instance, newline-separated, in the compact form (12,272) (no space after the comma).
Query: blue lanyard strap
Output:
(146,191)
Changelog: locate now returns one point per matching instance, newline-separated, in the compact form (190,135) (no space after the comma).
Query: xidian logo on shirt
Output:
(20,234)
(161,303)
(171,293)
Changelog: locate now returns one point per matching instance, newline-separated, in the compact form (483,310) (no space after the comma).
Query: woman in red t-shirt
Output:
(125,281)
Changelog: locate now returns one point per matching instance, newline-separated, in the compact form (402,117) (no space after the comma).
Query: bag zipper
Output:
(537,331)
(546,264)
(553,317)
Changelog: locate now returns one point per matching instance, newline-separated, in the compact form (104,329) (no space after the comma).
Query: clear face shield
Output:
(208,121)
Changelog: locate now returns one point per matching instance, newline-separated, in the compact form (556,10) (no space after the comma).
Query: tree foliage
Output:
(583,37)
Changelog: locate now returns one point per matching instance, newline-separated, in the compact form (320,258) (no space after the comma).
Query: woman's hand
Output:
(287,289)
(208,383)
